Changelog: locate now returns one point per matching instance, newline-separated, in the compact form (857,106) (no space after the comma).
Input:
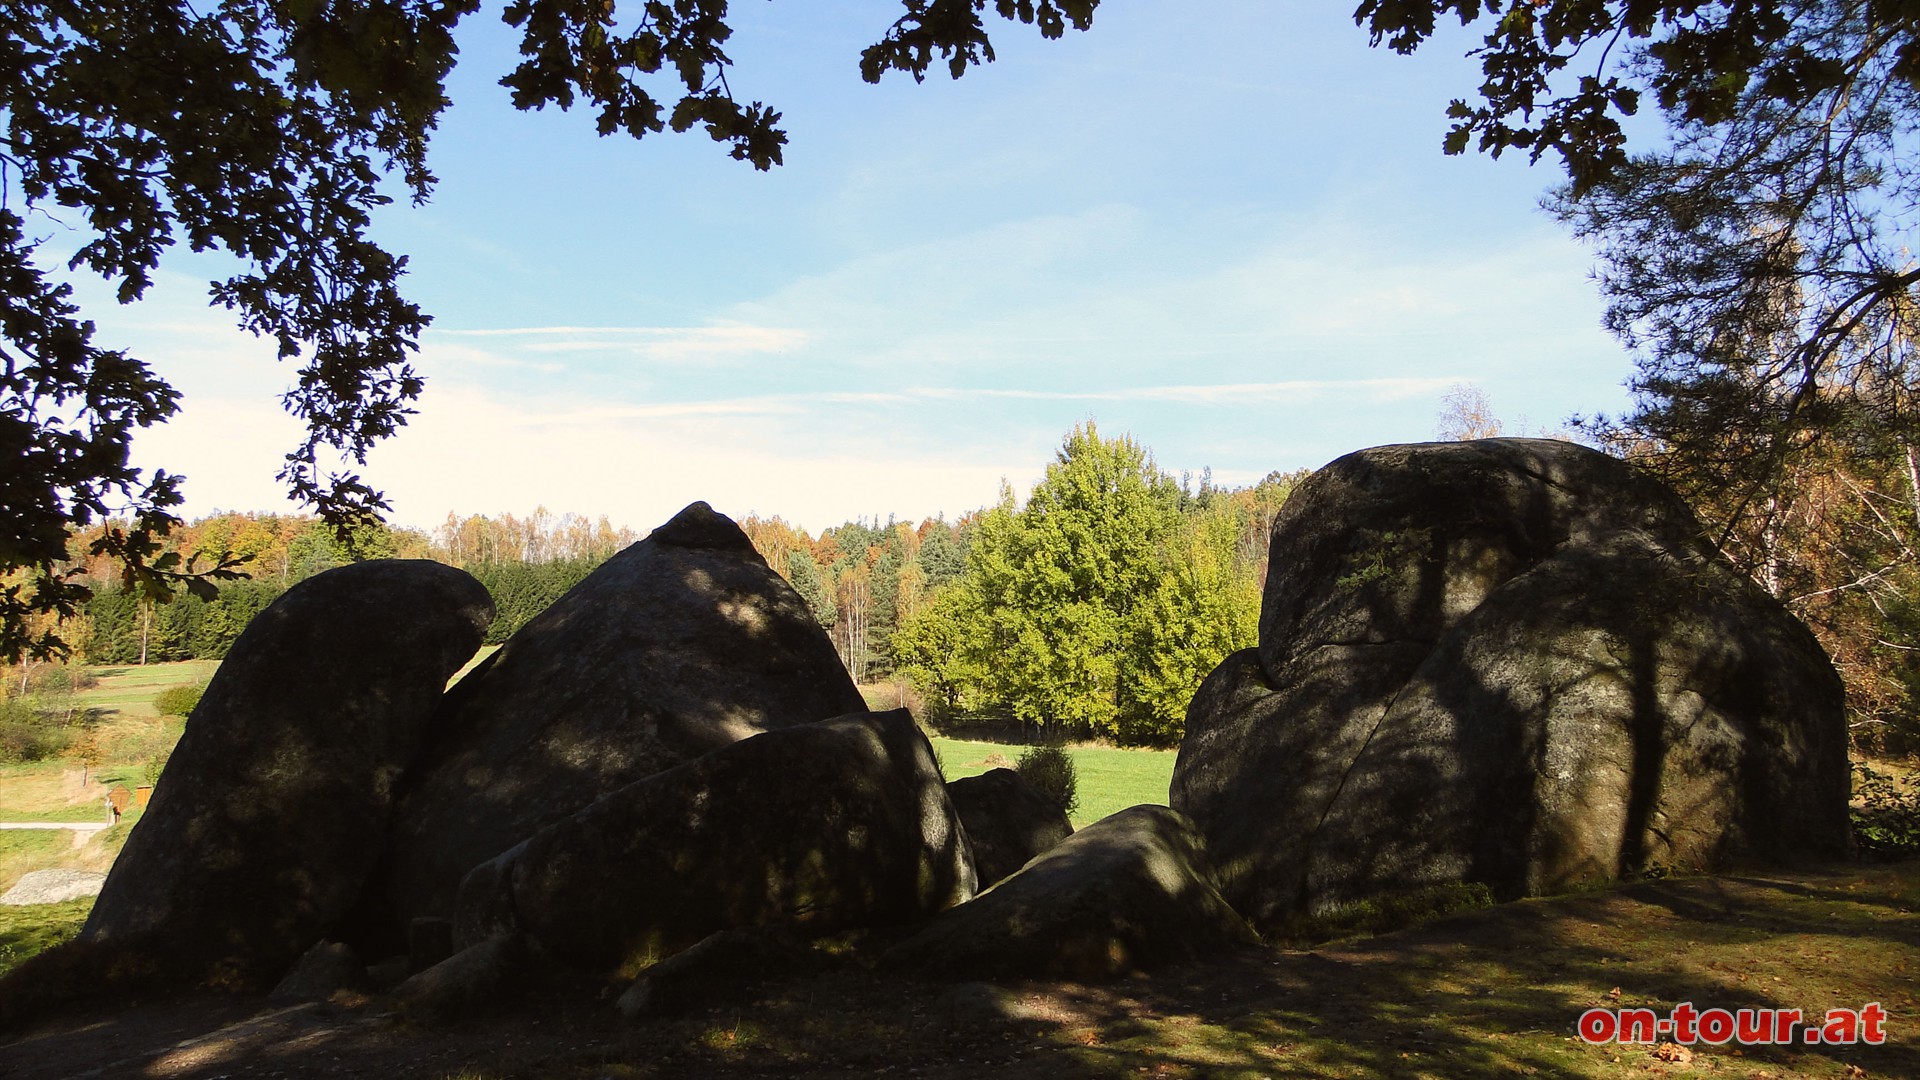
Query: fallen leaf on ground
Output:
(1673,1052)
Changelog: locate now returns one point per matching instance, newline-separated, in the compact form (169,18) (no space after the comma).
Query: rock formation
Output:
(267,823)
(1130,892)
(681,644)
(839,824)
(1514,662)
(1008,821)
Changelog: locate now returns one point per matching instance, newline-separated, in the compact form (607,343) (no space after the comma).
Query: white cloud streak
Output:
(664,343)
(1212,395)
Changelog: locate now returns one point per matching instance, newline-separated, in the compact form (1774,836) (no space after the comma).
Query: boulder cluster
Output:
(1509,663)
(670,756)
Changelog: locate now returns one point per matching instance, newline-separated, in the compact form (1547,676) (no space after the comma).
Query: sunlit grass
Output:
(1110,779)
(485,651)
(130,736)
(34,928)
(129,689)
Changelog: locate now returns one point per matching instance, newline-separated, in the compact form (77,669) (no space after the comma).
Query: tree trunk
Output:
(1913,479)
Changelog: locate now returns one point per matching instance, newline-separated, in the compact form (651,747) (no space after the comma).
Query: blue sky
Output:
(1228,231)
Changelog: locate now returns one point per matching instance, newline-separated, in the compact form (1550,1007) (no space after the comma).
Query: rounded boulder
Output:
(264,828)
(1516,662)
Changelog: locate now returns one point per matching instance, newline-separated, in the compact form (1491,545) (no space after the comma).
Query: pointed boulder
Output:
(681,644)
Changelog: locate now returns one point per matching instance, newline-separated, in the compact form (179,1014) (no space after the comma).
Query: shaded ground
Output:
(1490,993)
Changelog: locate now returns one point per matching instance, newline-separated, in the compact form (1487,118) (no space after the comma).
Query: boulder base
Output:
(325,970)
(844,823)
(721,968)
(485,977)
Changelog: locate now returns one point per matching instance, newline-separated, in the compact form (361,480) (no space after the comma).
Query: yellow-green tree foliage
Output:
(1099,606)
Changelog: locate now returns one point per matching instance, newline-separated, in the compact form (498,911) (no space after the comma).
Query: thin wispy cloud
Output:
(486,358)
(758,405)
(668,343)
(1214,393)
(1211,395)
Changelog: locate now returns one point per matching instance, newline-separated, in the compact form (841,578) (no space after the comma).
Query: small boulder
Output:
(477,980)
(323,971)
(1008,820)
(53,887)
(265,828)
(1512,662)
(1130,892)
(722,967)
(839,824)
(681,644)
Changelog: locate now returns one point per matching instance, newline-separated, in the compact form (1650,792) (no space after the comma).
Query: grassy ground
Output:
(1490,993)
(132,734)
(26,850)
(132,737)
(128,690)
(35,928)
(485,651)
(49,791)
(1110,779)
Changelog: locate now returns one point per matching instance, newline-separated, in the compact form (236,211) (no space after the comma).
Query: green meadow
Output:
(1109,778)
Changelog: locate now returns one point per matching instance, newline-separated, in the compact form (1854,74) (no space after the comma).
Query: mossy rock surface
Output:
(679,645)
(1515,662)
(1009,821)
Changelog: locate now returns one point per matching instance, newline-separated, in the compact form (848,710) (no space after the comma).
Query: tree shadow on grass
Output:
(1498,992)
(1494,992)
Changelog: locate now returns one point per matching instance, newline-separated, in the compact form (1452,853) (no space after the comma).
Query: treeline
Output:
(1098,604)
(865,580)
(1093,609)
(526,563)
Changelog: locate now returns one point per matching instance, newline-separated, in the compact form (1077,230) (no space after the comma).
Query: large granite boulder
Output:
(265,827)
(1514,662)
(1131,892)
(827,826)
(681,644)
(1008,821)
